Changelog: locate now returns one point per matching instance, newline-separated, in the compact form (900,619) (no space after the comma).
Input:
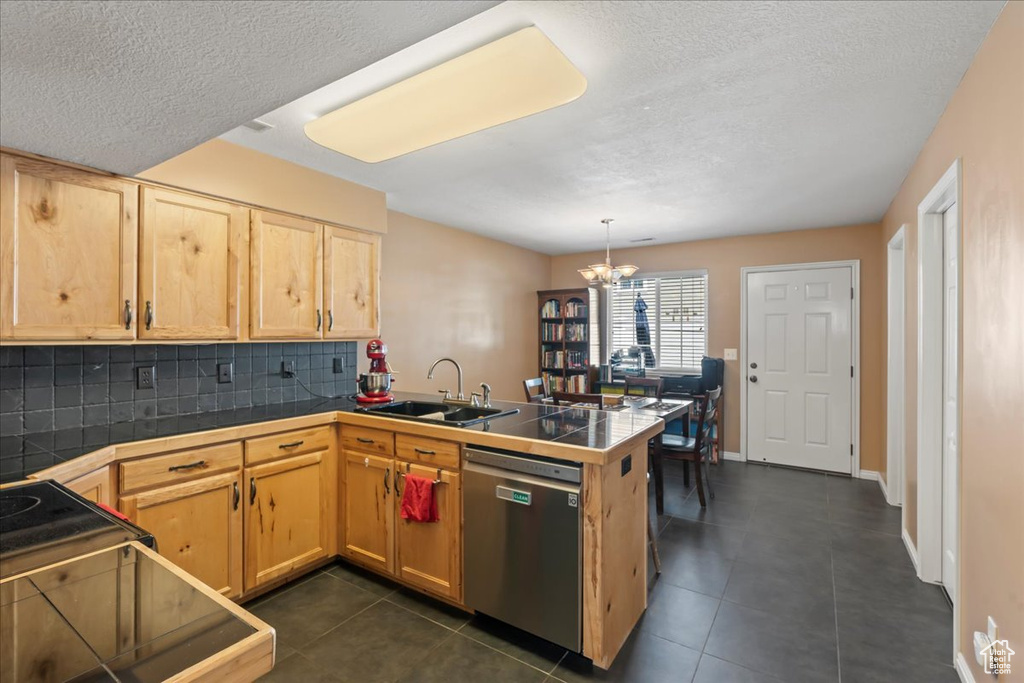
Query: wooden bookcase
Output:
(569,333)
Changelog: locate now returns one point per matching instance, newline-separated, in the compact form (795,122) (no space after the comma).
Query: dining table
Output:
(669,410)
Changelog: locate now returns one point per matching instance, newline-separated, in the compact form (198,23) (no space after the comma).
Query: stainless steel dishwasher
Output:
(523,542)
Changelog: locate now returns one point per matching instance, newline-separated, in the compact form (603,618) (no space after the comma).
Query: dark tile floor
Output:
(786,576)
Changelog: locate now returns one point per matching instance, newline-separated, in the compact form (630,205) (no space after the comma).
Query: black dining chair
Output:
(535,391)
(695,449)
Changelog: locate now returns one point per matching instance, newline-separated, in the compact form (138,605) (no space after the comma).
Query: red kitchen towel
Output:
(418,501)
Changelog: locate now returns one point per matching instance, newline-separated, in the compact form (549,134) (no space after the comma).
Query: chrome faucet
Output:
(430,375)
(487,394)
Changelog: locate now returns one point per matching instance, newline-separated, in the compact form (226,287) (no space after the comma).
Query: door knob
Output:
(753,378)
(753,366)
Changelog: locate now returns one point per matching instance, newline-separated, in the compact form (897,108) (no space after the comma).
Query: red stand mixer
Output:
(375,385)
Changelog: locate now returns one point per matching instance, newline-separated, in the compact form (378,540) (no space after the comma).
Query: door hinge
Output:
(851,371)
(851,449)
(851,292)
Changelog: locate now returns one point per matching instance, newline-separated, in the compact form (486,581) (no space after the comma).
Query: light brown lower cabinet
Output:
(429,555)
(198,527)
(94,486)
(369,509)
(287,524)
(425,555)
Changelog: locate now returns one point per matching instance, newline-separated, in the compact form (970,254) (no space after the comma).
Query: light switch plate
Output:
(730,354)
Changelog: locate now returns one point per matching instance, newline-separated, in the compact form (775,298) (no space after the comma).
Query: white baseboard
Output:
(912,551)
(962,669)
(885,489)
(870,475)
(729,455)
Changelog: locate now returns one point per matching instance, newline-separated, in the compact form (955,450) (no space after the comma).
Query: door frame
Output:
(930,327)
(854,265)
(895,437)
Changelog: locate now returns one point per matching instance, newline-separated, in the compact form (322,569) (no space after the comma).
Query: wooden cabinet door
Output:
(430,553)
(197,526)
(286,516)
(189,271)
(94,486)
(286,282)
(369,509)
(351,283)
(67,253)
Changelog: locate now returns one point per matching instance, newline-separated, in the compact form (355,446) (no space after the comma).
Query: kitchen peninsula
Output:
(281,490)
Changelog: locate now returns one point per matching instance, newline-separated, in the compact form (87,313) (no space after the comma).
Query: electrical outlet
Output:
(287,368)
(225,373)
(339,365)
(145,378)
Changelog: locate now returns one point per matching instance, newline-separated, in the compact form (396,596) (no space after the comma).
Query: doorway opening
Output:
(895,395)
(938,391)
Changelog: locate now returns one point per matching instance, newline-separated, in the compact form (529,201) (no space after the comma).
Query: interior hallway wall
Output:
(983,125)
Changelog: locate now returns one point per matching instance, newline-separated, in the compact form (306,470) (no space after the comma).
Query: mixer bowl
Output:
(374,383)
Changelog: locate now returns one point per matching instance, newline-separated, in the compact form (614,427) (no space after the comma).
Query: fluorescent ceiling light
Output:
(515,76)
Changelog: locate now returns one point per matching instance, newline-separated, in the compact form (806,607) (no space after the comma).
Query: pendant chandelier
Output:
(605,273)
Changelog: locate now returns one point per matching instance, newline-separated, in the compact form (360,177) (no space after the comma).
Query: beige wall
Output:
(983,125)
(446,292)
(245,175)
(723,259)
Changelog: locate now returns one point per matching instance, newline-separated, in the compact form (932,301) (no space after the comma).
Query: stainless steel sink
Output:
(437,413)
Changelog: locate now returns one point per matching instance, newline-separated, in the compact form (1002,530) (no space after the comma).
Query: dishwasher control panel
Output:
(547,467)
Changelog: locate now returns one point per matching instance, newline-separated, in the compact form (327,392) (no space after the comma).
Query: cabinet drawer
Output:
(376,441)
(287,444)
(182,466)
(428,451)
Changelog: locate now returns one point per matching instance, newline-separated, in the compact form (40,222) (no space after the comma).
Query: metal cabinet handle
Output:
(387,476)
(190,466)
(252,490)
(127,314)
(330,319)
(362,440)
(424,451)
(319,320)
(293,444)
(398,479)
(149,314)
(238,495)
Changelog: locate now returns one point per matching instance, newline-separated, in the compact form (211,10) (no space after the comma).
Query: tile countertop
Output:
(21,456)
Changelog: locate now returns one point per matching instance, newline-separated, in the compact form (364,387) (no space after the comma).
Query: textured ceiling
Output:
(701,119)
(123,86)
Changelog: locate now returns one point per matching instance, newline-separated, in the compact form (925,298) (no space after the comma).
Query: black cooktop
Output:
(44,522)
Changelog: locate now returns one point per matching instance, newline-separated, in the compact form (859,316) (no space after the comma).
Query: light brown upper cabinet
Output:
(286,281)
(67,253)
(351,282)
(190,275)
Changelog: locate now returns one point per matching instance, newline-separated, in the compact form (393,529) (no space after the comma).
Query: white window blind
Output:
(676,313)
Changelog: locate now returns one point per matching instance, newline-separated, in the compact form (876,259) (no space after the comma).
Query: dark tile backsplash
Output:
(56,387)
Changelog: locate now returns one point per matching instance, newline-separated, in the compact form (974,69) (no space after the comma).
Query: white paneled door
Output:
(799,378)
(950,400)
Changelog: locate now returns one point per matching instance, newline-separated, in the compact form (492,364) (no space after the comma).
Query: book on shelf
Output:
(575,332)
(552,332)
(575,309)
(550,309)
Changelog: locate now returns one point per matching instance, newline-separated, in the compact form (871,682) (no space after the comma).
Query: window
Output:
(677,306)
